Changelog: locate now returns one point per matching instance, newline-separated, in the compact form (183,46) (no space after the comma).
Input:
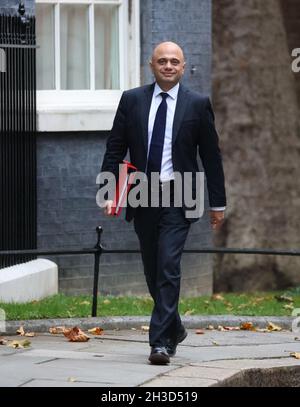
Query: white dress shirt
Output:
(167,171)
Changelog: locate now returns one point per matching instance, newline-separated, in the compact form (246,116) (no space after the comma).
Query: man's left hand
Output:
(216,219)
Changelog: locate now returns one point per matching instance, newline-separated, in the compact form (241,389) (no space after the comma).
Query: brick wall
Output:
(11,6)
(186,22)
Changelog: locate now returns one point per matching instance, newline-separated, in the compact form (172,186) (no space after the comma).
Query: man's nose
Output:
(168,65)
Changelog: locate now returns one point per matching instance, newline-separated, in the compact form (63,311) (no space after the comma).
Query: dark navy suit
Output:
(162,231)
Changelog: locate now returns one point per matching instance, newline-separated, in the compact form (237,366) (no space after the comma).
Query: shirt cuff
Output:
(219,208)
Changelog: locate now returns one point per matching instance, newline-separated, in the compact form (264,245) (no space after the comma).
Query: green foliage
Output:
(63,306)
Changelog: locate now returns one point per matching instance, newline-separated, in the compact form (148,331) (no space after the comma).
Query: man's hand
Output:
(107,208)
(216,219)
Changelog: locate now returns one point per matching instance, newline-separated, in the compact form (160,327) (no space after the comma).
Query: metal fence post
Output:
(97,255)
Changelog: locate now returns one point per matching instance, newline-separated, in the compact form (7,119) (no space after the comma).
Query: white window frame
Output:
(75,110)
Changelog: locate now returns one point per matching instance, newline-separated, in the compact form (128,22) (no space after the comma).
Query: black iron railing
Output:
(17,137)
(99,250)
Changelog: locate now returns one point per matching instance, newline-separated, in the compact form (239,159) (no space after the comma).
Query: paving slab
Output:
(119,358)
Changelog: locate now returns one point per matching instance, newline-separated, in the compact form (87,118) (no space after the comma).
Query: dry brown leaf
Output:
(30,334)
(217,297)
(247,326)
(3,341)
(76,335)
(295,355)
(262,330)
(199,332)
(210,327)
(19,344)
(272,327)
(145,328)
(96,331)
(189,312)
(284,298)
(21,331)
(232,328)
(57,330)
(221,328)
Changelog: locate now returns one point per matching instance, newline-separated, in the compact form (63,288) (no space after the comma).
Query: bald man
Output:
(164,126)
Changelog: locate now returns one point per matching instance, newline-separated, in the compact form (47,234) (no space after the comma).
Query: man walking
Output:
(163,126)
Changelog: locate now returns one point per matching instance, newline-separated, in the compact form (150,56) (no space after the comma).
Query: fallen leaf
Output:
(199,332)
(232,328)
(21,331)
(145,328)
(76,335)
(207,302)
(96,331)
(19,344)
(295,355)
(247,326)
(262,330)
(85,303)
(30,334)
(296,338)
(217,297)
(3,341)
(133,329)
(106,301)
(26,343)
(57,330)
(283,298)
(272,327)
(215,343)
(189,312)
(72,379)
(210,327)
(221,328)
(241,306)
(289,306)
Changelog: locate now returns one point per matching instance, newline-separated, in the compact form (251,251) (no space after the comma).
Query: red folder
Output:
(126,178)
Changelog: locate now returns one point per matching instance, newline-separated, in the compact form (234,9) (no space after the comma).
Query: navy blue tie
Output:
(158,137)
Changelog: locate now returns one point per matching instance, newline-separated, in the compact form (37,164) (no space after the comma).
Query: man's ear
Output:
(150,64)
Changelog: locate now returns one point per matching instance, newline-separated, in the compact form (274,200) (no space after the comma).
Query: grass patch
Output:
(63,306)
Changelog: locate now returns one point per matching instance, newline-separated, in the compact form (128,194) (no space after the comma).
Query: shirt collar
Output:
(173,92)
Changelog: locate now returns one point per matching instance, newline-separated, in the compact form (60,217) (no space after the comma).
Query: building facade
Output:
(89,51)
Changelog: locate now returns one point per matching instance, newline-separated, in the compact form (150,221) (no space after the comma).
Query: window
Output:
(88,53)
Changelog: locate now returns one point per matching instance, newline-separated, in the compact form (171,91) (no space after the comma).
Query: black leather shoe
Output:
(171,345)
(159,356)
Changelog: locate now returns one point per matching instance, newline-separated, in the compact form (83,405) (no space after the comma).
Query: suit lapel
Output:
(145,109)
(179,111)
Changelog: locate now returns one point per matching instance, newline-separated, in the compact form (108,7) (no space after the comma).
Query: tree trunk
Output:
(257,114)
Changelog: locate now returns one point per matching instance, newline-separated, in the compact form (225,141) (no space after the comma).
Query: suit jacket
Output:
(193,132)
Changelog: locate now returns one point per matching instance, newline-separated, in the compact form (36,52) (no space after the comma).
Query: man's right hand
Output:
(108,207)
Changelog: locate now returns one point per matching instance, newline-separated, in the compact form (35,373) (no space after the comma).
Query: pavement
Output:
(119,357)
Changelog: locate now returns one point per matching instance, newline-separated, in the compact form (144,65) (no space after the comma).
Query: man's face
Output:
(167,65)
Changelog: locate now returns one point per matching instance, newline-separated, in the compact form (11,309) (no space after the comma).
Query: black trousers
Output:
(162,233)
